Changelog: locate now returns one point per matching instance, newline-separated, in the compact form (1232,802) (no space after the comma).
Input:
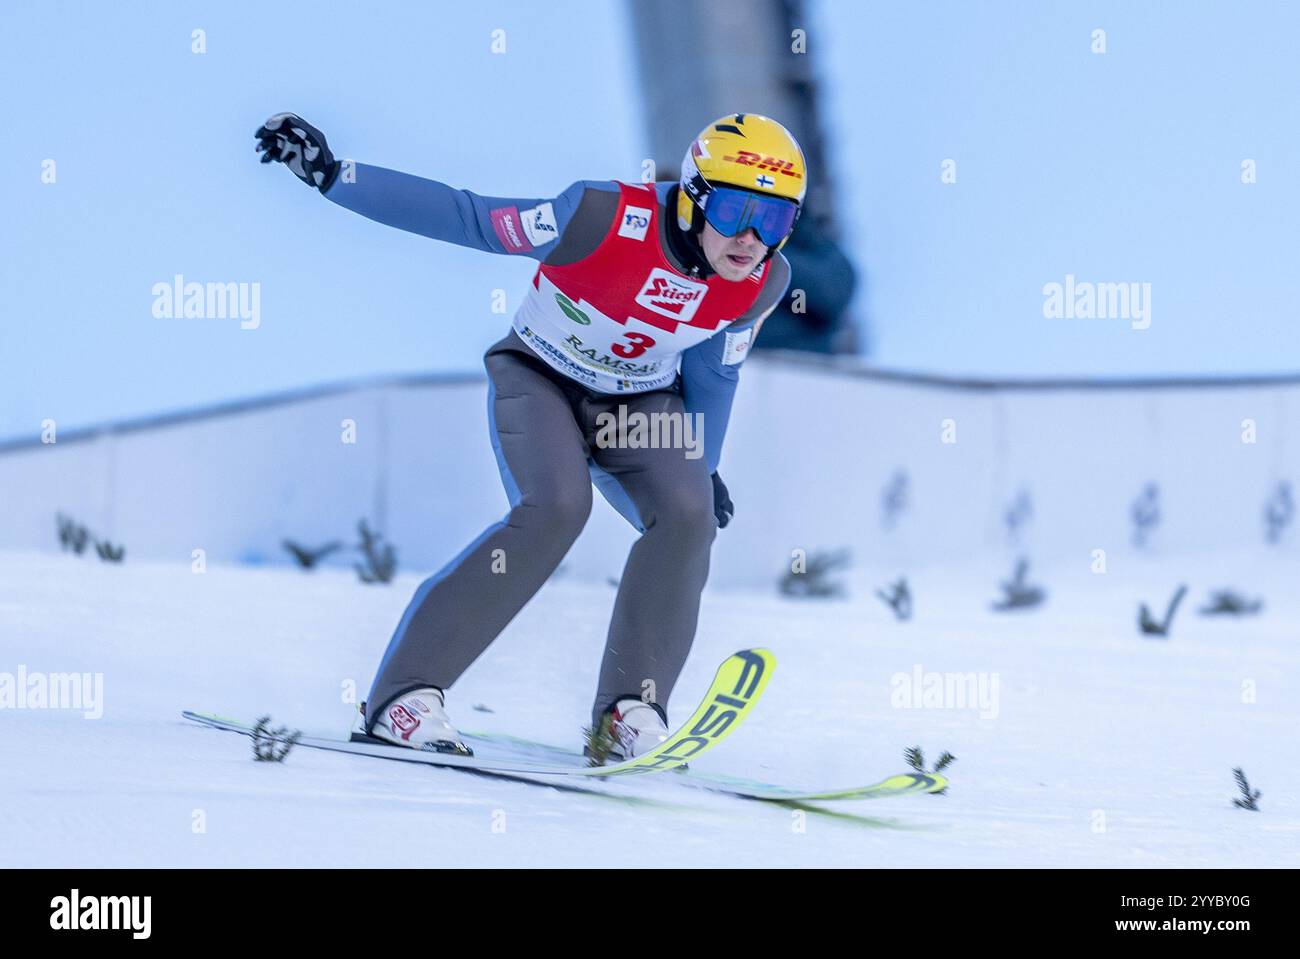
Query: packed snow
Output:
(1093,745)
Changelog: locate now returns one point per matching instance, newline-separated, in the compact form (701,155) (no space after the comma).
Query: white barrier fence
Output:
(814,450)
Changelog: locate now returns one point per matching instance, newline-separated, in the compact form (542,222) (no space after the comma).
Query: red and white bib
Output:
(619,319)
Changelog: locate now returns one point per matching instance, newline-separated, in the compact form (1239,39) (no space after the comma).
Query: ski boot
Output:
(415,719)
(628,729)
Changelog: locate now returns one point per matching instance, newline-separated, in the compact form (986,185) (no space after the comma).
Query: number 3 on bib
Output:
(640,343)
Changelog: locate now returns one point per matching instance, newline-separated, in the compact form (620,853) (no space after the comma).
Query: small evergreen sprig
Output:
(916,759)
(1279,512)
(1145,513)
(108,552)
(76,537)
(1018,592)
(272,745)
(72,535)
(1249,802)
(894,500)
(1018,515)
(898,598)
(381,558)
(1225,602)
(814,581)
(306,557)
(1148,624)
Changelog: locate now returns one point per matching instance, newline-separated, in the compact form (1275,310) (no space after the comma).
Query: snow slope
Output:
(1091,721)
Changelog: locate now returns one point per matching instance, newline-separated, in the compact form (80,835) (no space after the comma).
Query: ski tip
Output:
(753,657)
(926,782)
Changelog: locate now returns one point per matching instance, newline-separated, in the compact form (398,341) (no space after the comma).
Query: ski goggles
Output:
(732,212)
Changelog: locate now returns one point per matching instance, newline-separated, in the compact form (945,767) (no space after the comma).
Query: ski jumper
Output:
(612,323)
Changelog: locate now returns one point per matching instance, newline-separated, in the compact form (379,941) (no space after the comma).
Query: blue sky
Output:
(156,175)
(1122,167)
(1115,167)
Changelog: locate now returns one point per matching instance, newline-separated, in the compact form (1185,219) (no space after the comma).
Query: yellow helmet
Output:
(751,153)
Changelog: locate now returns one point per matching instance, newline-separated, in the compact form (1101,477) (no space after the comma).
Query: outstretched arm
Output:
(509,225)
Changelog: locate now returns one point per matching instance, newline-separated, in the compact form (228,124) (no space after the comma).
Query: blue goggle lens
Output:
(734,211)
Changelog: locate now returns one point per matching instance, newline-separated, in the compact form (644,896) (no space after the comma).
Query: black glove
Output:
(289,139)
(722,505)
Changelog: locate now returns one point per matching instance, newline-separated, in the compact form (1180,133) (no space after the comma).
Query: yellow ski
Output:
(739,683)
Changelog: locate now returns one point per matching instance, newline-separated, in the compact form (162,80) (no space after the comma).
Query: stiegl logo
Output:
(671,296)
(74,912)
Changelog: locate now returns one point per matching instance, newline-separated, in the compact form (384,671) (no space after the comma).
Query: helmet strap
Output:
(685,244)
